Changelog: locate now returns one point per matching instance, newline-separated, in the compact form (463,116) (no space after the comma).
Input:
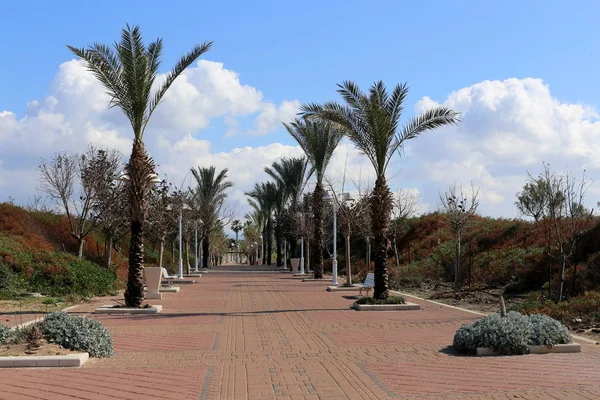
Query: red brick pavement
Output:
(266,336)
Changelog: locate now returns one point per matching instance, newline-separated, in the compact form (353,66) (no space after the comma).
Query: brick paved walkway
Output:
(268,336)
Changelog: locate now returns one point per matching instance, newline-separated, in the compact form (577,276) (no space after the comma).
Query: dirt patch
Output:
(30,305)
(487,302)
(46,349)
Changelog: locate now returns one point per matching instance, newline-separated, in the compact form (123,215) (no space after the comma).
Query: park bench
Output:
(167,277)
(367,284)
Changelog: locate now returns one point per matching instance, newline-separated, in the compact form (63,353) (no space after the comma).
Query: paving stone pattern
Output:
(242,335)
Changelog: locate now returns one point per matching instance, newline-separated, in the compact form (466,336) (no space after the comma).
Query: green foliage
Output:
(579,311)
(389,300)
(510,335)
(23,268)
(78,333)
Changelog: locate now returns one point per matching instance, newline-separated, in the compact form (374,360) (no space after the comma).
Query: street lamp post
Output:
(346,197)
(256,252)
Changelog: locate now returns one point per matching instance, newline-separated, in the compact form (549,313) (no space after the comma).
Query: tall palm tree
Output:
(128,73)
(208,198)
(372,121)
(290,176)
(236,226)
(319,140)
(264,197)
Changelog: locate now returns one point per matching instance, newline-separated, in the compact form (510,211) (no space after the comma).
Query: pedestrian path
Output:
(266,335)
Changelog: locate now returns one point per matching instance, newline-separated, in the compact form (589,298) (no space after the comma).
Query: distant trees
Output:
(208,199)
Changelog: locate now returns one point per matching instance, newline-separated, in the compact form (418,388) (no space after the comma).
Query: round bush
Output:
(512,334)
(548,331)
(509,335)
(78,333)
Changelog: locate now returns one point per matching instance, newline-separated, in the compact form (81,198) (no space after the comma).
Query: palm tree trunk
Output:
(269,241)
(205,255)
(381,206)
(293,247)
(139,168)
(317,253)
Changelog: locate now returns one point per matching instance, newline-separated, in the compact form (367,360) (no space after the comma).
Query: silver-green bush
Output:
(512,334)
(4,333)
(548,331)
(78,333)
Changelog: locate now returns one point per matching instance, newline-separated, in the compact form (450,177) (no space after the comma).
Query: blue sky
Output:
(299,51)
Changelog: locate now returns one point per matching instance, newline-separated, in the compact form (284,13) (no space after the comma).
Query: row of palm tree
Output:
(274,204)
(371,121)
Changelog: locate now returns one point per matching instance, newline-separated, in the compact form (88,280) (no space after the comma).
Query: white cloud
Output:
(508,127)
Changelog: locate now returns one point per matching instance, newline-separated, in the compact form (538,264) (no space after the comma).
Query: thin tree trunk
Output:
(457,265)
(381,206)
(317,254)
(80,245)
(396,253)
(348,263)
(187,255)
(173,252)
(161,252)
(307,258)
(561,278)
(108,243)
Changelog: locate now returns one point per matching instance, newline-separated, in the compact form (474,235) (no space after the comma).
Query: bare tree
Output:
(61,177)
(37,203)
(405,206)
(162,217)
(460,209)
(567,216)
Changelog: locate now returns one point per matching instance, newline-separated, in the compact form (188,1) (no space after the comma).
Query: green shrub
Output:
(509,335)
(373,301)
(578,311)
(78,333)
